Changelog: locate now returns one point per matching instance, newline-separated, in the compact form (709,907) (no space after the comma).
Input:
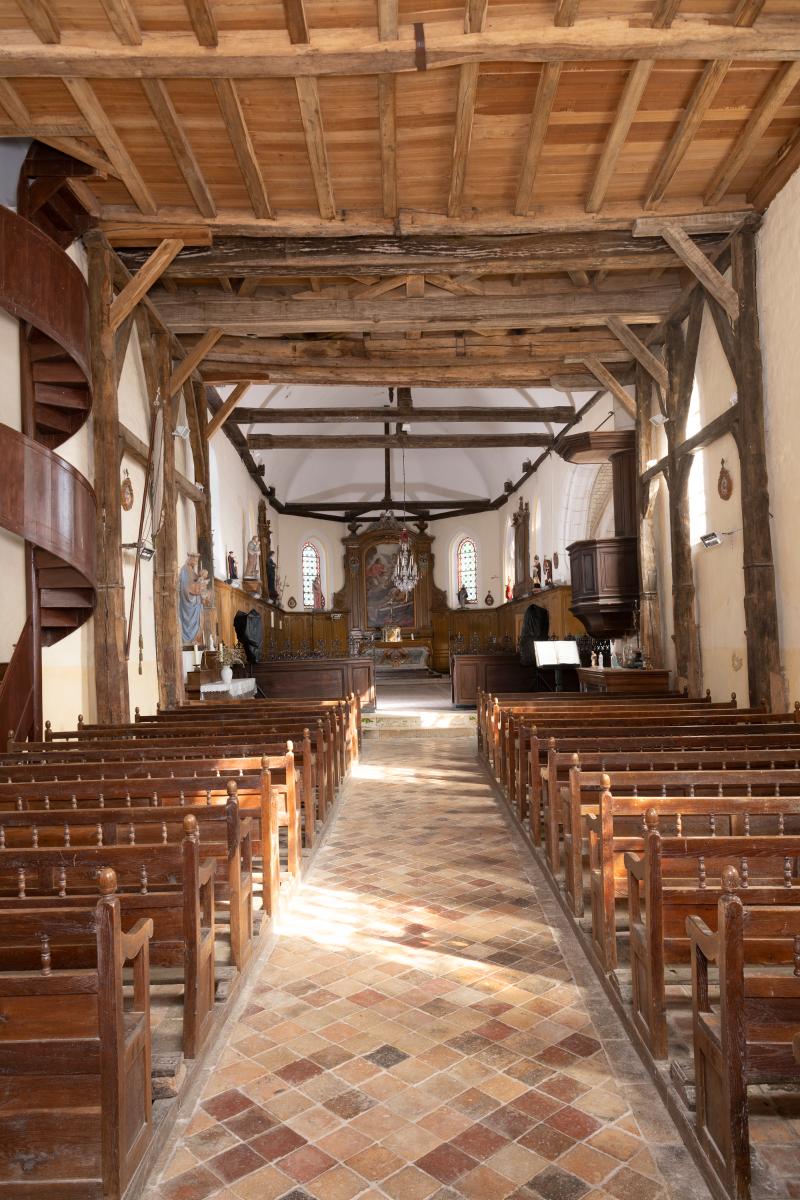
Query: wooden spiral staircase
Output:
(43,499)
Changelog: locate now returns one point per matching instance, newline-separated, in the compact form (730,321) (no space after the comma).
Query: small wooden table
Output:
(619,681)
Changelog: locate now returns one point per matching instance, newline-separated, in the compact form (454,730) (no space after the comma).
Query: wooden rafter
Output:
(231,108)
(222,414)
(142,281)
(387,112)
(187,365)
(123,21)
(86,99)
(778,173)
(203,23)
(612,385)
(654,367)
(638,78)
(699,265)
(773,100)
(694,112)
(40,17)
(311,113)
(172,129)
(27,127)
(474,22)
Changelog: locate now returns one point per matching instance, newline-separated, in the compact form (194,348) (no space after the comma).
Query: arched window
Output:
(311,570)
(467,569)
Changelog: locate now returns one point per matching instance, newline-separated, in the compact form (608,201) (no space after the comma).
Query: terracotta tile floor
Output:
(418,1031)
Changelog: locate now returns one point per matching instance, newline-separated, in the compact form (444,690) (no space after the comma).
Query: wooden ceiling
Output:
(388,192)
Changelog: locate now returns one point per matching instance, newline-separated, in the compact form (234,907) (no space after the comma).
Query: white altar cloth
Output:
(236,687)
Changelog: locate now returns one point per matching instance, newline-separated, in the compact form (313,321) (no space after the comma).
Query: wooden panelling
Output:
(500,622)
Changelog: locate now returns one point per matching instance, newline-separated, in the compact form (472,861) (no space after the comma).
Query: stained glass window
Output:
(310,570)
(467,562)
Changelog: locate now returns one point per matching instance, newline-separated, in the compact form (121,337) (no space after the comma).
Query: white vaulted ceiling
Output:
(452,474)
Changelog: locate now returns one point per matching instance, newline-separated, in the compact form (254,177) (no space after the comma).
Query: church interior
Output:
(400,651)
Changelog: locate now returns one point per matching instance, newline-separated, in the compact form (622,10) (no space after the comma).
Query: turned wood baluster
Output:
(19,804)
(163,833)
(701,871)
(796,971)
(745,873)
(787,872)
(45,952)
(67,841)
(21,883)
(62,880)
(47,803)
(781,824)
(98,833)
(712,825)
(2,837)
(35,837)
(143,880)
(131,834)
(678,825)
(74,802)
(182,799)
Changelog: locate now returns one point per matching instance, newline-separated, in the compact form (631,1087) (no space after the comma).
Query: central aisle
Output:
(419,1032)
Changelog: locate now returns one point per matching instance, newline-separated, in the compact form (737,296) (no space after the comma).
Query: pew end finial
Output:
(107,881)
(731,881)
(232,788)
(605,782)
(190,826)
(48,731)
(651,820)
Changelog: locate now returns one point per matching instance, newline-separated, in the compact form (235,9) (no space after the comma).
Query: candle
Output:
(196,655)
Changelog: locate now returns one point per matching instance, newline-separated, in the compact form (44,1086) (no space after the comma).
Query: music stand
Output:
(558,655)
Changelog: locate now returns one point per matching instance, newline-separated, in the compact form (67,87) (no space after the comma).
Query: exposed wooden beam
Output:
(400,255)
(474,22)
(233,314)
(258,54)
(315,416)
(382,441)
(514,374)
(40,17)
(25,126)
(712,432)
(296,23)
(537,131)
(187,365)
(175,136)
(222,414)
(654,367)
(638,78)
(311,116)
(142,281)
(699,265)
(85,98)
(762,116)
(700,101)
(604,376)
(203,23)
(387,112)
(137,449)
(778,173)
(231,108)
(123,21)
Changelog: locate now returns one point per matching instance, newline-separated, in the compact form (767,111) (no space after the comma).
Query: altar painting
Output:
(385,605)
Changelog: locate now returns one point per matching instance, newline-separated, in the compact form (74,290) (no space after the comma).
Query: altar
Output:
(406,654)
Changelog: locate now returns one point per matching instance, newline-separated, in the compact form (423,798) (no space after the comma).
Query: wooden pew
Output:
(225,834)
(75,1060)
(173,888)
(677,877)
(585,787)
(695,740)
(747,1037)
(620,826)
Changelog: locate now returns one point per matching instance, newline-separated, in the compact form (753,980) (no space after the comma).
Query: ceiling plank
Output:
(521,414)
(604,376)
(705,271)
(142,281)
(222,414)
(203,23)
(387,112)
(27,127)
(392,441)
(700,101)
(187,365)
(231,108)
(258,54)
(654,367)
(123,21)
(84,96)
(171,127)
(778,173)
(762,116)
(635,84)
(40,17)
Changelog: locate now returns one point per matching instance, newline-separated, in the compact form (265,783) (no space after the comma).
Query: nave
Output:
(427,1025)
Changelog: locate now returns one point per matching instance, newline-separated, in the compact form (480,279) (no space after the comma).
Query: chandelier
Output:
(406,572)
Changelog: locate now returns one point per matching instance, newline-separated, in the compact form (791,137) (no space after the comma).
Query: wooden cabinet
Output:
(620,681)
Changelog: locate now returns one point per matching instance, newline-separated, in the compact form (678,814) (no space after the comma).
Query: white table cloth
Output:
(236,687)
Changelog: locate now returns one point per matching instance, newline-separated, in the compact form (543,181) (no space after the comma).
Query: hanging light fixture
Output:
(406,572)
